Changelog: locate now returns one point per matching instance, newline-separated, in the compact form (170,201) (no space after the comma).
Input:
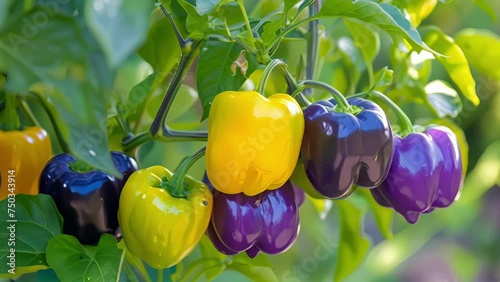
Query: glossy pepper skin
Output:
(87,201)
(158,227)
(253,141)
(426,173)
(24,154)
(340,149)
(267,222)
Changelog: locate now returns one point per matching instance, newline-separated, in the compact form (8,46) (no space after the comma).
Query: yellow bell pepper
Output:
(24,154)
(253,141)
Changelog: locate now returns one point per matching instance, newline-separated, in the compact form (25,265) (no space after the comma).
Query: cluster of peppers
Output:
(246,202)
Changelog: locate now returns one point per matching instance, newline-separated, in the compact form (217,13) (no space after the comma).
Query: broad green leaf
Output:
(418,10)
(453,60)
(383,216)
(289,4)
(136,100)
(195,23)
(270,30)
(204,7)
(480,47)
(196,269)
(366,40)
(384,16)
(353,245)
(487,8)
(443,98)
(118,25)
(217,72)
(87,134)
(34,221)
(153,50)
(21,44)
(75,262)
(254,272)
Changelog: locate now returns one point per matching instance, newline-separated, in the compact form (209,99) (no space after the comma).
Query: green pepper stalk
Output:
(404,122)
(11,119)
(175,186)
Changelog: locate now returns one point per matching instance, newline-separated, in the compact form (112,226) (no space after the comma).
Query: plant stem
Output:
(247,22)
(180,39)
(265,75)
(57,130)
(160,275)
(29,114)
(404,121)
(341,100)
(285,32)
(312,43)
(176,184)
(187,58)
(120,266)
(12,119)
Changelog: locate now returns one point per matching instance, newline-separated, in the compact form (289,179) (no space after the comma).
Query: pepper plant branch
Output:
(247,22)
(182,42)
(57,130)
(404,121)
(29,114)
(312,43)
(12,119)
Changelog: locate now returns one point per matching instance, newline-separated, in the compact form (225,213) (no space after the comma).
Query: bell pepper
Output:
(253,141)
(340,149)
(87,199)
(24,153)
(426,173)
(267,222)
(158,225)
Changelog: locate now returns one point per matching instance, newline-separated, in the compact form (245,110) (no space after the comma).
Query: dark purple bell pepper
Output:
(87,201)
(426,173)
(341,149)
(267,222)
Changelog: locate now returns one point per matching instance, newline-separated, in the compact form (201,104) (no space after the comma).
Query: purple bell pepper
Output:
(426,173)
(341,149)
(87,201)
(267,222)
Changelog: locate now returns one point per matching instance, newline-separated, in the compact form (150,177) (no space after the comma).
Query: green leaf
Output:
(383,78)
(270,30)
(217,72)
(161,34)
(353,61)
(22,42)
(86,133)
(198,267)
(486,7)
(443,98)
(34,222)
(480,47)
(453,60)
(134,261)
(73,262)
(383,216)
(195,23)
(204,7)
(353,245)
(418,10)
(384,16)
(289,4)
(119,26)
(366,40)
(254,272)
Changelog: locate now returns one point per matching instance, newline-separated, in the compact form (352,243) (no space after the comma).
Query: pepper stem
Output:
(404,121)
(265,75)
(341,100)
(175,186)
(11,118)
